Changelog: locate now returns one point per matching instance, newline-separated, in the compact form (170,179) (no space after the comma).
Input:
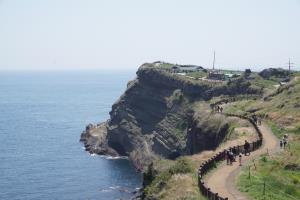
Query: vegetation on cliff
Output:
(276,177)
(163,116)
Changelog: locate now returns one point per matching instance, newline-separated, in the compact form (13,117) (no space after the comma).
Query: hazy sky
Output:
(98,34)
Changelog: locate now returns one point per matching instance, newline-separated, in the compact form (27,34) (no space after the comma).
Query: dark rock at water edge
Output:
(156,118)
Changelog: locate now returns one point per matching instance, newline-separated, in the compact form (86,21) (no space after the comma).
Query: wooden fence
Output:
(220,156)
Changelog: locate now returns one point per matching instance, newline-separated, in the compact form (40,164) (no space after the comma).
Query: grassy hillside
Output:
(280,173)
(167,179)
(278,176)
(172,180)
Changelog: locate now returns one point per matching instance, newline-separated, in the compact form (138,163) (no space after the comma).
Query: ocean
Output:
(42,114)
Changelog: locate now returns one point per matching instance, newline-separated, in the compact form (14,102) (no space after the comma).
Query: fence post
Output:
(264,192)
(216,196)
(208,191)
(249,172)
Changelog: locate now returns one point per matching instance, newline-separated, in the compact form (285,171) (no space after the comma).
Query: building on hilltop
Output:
(229,76)
(186,68)
(216,75)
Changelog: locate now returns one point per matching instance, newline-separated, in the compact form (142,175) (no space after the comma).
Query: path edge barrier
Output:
(220,156)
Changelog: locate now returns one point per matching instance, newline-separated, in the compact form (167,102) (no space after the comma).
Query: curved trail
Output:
(223,179)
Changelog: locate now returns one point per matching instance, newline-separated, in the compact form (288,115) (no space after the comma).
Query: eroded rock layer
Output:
(158,116)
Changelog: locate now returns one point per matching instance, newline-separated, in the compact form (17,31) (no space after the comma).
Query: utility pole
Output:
(290,65)
(214,60)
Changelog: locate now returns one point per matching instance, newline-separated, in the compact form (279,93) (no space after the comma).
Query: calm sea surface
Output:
(41,117)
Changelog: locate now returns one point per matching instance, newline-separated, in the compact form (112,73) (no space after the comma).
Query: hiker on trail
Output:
(247,148)
(231,157)
(254,119)
(281,144)
(285,141)
(234,151)
(227,157)
(240,159)
(221,109)
(259,121)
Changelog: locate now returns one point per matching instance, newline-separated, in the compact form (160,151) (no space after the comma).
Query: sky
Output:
(118,34)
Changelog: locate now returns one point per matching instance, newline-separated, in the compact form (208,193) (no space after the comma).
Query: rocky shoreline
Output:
(95,141)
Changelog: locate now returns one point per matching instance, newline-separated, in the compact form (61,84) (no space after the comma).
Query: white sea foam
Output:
(116,157)
(104,190)
(110,157)
(114,187)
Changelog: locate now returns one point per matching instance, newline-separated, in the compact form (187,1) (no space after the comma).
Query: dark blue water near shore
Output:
(41,117)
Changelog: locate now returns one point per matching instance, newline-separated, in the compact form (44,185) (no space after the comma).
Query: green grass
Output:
(281,173)
(265,83)
(278,131)
(166,65)
(196,75)
(163,180)
(280,183)
(241,107)
(230,133)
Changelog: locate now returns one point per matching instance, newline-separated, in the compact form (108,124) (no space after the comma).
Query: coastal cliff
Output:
(163,115)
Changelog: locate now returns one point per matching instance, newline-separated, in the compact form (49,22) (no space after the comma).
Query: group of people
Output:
(284,141)
(232,153)
(217,108)
(257,120)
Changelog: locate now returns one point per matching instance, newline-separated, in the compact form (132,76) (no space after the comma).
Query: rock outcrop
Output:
(156,117)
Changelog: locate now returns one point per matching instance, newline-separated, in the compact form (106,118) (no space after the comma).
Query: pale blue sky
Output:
(98,34)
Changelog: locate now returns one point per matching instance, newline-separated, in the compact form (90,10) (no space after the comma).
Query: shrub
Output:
(264,159)
(182,166)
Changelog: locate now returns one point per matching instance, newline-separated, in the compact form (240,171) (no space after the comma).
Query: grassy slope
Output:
(173,180)
(281,173)
(168,183)
(184,184)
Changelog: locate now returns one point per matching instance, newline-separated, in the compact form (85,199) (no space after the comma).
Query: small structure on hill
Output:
(216,75)
(186,68)
(229,76)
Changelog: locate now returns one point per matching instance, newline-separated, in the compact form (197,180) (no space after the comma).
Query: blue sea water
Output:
(41,117)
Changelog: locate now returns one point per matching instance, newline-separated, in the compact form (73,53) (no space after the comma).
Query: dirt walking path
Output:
(223,179)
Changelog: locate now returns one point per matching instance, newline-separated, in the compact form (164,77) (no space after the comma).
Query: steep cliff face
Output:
(155,117)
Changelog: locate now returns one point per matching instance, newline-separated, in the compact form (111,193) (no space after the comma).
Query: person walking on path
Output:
(231,158)
(285,141)
(234,151)
(259,121)
(240,159)
(227,157)
(247,148)
(281,144)
(254,119)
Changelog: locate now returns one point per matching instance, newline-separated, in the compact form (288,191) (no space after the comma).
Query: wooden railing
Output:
(220,156)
